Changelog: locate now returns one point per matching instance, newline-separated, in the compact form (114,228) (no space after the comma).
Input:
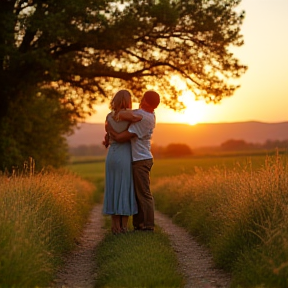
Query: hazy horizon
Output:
(204,134)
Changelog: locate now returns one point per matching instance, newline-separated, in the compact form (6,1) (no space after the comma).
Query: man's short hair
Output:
(152,98)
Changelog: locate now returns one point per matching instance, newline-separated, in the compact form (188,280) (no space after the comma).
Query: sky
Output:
(263,95)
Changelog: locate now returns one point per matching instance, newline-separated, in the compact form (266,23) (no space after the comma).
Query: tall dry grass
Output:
(40,217)
(241,214)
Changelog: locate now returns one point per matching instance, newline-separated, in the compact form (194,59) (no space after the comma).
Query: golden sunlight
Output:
(195,110)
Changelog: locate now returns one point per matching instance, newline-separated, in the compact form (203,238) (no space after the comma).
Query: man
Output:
(140,134)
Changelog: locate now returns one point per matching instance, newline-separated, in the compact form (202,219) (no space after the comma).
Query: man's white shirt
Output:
(141,144)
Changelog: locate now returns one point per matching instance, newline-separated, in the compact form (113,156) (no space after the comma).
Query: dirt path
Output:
(195,262)
(79,269)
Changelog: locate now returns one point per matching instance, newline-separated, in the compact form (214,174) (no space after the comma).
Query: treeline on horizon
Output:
(182,149)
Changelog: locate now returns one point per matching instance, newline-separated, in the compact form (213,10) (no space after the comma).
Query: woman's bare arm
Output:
(128,115)
(119,137)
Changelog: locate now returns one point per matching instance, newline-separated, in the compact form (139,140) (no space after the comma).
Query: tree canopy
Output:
(75,52)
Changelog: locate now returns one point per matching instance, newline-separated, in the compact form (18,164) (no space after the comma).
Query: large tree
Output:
(75,52)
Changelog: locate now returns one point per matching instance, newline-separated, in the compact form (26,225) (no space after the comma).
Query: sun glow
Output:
(194,111)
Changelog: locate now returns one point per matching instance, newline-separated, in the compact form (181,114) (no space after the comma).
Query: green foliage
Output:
(72,53)
(173,150)
(137,259)
(72,44)
(240,213)
(35,128)
(40,217)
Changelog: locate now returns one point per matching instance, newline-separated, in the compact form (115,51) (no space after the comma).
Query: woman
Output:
(119,197)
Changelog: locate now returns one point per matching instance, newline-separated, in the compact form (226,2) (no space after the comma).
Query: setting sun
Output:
(195,110)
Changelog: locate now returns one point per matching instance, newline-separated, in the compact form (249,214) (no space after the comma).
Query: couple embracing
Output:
(129,162)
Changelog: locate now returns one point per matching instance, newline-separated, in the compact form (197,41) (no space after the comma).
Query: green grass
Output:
(237,205)
(176,166)
(86,159)
(89,170)
(93,171)
(134,259)
(137,259)
(234,204)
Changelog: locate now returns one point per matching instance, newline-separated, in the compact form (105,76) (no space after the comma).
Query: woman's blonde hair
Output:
(121,100)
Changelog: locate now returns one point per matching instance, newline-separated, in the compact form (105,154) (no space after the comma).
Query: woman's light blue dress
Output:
(119,197)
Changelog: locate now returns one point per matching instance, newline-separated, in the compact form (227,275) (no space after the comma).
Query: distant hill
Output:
(87,134)
(200,135)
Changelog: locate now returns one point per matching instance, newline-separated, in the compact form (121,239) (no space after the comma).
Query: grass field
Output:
(93,168)
(40,218)
(240,211)
(237,205)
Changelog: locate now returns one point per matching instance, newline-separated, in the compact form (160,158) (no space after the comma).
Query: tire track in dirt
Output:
(195,262)
(80,266)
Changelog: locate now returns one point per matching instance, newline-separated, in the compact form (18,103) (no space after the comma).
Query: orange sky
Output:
(263,95)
